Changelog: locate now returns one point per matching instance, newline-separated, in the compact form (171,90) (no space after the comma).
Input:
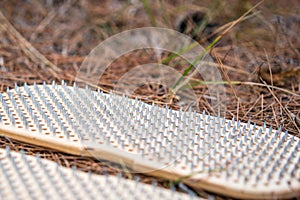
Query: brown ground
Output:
(261,53)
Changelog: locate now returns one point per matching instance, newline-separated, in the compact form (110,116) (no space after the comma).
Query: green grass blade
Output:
(187,70)
(149,12)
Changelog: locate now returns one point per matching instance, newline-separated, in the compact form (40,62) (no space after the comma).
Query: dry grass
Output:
(259,57)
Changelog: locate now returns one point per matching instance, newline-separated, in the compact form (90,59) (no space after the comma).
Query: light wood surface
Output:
(234,159)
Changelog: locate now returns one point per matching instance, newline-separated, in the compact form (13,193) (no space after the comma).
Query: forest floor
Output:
(258,58)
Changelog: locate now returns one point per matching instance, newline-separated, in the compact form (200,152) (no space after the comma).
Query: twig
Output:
(269,65)
(226,75)
(27,48)
(178,85)
(262,106)
(50,17)
(244,83)
(284,109)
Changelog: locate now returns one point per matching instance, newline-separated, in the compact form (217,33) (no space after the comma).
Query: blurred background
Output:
(46,40)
